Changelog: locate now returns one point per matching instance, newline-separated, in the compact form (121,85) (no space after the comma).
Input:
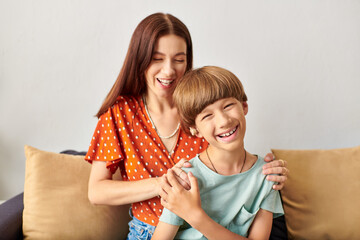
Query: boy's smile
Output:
(228,134)
(223,122)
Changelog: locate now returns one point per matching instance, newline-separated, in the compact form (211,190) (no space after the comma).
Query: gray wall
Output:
(298,60)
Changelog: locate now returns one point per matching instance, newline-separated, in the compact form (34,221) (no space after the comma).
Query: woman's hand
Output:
(180,175)
(180,201)
(275,167)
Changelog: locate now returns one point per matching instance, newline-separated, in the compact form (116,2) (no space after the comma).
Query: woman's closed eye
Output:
(179,60)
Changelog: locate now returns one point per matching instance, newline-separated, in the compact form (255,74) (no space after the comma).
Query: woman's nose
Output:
(168,68)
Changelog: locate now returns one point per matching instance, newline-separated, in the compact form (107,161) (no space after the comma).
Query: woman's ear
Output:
(245,107)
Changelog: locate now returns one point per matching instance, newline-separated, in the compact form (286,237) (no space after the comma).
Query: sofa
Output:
(319,199)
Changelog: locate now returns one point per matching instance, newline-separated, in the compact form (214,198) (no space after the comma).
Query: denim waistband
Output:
(139,230)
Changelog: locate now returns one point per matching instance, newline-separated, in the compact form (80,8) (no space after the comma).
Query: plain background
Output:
(298,60)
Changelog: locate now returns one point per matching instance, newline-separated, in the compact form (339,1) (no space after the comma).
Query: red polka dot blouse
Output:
(124,137)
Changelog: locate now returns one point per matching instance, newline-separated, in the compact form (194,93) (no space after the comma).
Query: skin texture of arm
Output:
(260,228)
(104,190)
(164,231)
(187,205)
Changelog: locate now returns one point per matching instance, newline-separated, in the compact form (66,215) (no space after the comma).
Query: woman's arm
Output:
(104,190)
(165,231)
(275,167)
(187,205)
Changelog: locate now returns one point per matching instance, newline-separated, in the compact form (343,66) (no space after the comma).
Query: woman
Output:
(138,129)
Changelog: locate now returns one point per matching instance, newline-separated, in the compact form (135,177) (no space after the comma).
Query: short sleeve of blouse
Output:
(105,143)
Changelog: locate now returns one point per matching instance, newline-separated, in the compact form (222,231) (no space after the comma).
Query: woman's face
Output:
(167,66)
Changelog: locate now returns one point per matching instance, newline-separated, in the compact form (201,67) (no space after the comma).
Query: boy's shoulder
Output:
(257,167)
(198,169)
(194,163)
(197,164)
(260,162)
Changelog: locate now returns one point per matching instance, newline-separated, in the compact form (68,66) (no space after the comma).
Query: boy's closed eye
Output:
(206,116)
(229,105)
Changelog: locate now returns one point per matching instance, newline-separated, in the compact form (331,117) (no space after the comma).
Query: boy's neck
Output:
(227,162)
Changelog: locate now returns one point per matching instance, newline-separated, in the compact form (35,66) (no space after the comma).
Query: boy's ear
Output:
(195,132)
(198,134)
(245,107)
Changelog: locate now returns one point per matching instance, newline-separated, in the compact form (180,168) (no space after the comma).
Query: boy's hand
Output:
(180,201)
(275,167)
(180,175)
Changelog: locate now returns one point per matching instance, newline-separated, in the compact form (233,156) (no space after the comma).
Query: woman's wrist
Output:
(157,185)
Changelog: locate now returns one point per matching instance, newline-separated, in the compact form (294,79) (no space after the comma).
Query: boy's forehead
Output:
(218,103)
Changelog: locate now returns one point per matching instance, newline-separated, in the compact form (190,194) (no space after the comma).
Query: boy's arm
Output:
(165,231)
(260,229)
(261,226)
(187,205)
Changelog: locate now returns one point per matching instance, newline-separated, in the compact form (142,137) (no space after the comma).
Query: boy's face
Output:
(223,123)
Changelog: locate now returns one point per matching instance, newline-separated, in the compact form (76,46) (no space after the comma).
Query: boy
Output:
(236,200)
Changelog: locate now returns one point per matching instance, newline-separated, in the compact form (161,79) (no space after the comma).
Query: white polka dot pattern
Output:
(125,138)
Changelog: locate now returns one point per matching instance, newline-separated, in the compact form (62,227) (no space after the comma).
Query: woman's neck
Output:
(158,105)
(164,118)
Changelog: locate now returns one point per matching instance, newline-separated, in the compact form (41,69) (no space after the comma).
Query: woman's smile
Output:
(165,82)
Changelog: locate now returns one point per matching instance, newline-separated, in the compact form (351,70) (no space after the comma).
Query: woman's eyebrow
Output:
(178,54)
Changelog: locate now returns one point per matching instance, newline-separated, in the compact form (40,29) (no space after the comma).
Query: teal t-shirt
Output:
(232,201)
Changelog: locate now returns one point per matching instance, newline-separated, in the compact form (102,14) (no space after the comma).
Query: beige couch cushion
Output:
(56,205)
(322,195)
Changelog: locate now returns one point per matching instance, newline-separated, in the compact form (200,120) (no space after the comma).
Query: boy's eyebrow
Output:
(178,54)
(203,112)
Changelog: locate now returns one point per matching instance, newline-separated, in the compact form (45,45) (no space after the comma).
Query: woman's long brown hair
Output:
(131,79)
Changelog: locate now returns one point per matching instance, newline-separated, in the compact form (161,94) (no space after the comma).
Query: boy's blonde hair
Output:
(201,87)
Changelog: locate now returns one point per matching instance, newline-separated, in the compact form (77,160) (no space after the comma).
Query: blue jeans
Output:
(139,230)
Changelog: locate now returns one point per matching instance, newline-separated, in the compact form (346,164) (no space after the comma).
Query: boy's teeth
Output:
(228,134)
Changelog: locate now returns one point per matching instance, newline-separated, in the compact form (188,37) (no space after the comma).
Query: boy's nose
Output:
(223,119)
